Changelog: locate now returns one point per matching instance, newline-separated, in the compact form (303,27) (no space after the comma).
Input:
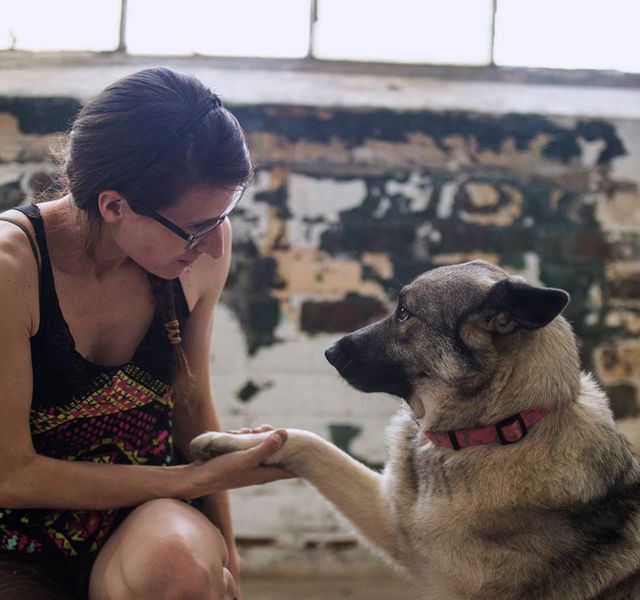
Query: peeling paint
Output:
(351,201)
(343,435)
(41,115)
(619,362)
(251,389)
(624,401)
(342,316)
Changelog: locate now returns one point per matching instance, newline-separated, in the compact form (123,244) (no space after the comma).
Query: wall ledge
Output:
(247,81)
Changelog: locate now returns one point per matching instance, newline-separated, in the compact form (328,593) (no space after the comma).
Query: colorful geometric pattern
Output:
(125,390)
(126,418)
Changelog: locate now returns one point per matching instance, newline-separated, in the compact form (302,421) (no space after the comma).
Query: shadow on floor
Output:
(387,588)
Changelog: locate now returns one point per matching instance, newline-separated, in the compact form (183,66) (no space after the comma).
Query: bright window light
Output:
(409,31)
(270,28)
(59,25)
(569,34)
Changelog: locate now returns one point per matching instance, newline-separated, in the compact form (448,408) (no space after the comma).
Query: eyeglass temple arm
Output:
(169,225)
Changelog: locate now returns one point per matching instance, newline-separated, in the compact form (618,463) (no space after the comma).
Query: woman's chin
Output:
(168,272)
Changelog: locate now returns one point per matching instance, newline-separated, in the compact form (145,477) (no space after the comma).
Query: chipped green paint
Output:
(41,115)
(352,312)
(343,435)
(354,127)
(10,195)
(251,389)
(252,279)
(558,192)
(624,400)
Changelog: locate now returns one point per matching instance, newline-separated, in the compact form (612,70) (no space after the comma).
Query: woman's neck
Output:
(78,247)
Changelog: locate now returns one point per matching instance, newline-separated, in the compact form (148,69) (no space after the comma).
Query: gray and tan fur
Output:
(554,516)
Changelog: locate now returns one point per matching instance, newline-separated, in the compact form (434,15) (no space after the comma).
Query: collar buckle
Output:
(507,431)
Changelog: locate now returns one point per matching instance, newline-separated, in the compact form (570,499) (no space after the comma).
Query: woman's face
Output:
(161,251)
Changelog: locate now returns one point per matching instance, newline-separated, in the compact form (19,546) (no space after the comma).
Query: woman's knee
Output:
(173,571)
(165,550)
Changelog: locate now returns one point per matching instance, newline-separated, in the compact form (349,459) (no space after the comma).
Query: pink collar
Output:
(508,431)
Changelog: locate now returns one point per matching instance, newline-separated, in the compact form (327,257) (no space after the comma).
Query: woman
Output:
(105,341)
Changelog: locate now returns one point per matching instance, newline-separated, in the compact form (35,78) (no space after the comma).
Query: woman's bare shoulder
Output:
(18,271)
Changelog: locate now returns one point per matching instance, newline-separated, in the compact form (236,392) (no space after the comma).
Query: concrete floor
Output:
(387,588)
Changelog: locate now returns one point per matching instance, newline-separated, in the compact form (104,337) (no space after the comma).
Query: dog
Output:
(506,477)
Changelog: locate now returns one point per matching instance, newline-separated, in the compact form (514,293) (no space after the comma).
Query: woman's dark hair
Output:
(151,136)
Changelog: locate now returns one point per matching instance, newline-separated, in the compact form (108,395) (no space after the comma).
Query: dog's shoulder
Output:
(593,401)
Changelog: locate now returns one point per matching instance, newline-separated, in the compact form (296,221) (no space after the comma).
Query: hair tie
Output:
(212,103)
(173,331)
(215,100)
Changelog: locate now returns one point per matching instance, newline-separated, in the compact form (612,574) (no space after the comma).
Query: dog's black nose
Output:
(331,354)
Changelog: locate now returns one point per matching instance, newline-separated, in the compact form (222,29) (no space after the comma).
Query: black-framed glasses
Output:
(193,239)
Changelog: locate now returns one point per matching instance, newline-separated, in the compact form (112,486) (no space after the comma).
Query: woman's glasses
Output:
(193,239)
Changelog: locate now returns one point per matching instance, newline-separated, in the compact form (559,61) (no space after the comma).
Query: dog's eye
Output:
(402,314)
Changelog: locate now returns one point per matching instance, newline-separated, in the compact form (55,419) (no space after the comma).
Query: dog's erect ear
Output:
(513,303)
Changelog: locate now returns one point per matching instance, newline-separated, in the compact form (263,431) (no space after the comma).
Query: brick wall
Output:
(350,203)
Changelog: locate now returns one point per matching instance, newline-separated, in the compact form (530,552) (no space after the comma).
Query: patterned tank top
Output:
(84,411)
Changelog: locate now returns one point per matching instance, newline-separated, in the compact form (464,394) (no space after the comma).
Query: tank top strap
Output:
(47,289)
(32,243)
(32,212)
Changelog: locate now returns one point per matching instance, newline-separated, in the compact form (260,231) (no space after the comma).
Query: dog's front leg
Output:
(352,488)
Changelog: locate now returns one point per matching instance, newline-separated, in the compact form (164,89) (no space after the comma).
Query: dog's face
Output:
(446,331)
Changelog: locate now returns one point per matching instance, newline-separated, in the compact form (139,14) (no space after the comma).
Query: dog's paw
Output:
(213,443)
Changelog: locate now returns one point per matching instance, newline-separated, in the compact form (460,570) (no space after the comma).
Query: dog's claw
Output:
(205,447)
(214,443)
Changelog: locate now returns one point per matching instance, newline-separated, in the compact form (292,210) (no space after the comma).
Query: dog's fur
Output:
(553,516)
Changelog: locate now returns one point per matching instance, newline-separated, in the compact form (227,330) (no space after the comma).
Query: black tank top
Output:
(88,412)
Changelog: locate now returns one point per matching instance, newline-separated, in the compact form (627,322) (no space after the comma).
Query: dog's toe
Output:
(207,445)
(213,443)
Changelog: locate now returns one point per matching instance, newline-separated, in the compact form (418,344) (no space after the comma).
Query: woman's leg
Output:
(164,550)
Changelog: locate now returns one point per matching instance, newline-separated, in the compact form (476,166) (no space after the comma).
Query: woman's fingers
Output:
(262,428)
(230,589)
(259,429)
(265,449)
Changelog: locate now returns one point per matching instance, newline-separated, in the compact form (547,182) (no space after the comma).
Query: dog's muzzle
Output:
(332,355)
(341,354)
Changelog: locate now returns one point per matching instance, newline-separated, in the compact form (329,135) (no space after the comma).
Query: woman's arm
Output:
(195,411)
(36,481)
(30,480)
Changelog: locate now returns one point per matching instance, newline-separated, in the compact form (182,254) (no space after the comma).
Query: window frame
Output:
(309,64)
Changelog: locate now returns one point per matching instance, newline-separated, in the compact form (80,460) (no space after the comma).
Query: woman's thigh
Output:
(164,548)
(23,581)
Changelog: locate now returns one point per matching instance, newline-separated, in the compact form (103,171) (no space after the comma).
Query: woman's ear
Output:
(112,206)
(513,303)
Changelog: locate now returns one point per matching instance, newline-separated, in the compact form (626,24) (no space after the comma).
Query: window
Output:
(59,25)
(566,34)
(269,28)
(426,31)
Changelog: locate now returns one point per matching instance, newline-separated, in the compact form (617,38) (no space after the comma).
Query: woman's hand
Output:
(260,429)
(234,569)
(237,469)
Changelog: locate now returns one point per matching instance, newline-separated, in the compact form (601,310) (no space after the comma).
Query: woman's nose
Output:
(212,244)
